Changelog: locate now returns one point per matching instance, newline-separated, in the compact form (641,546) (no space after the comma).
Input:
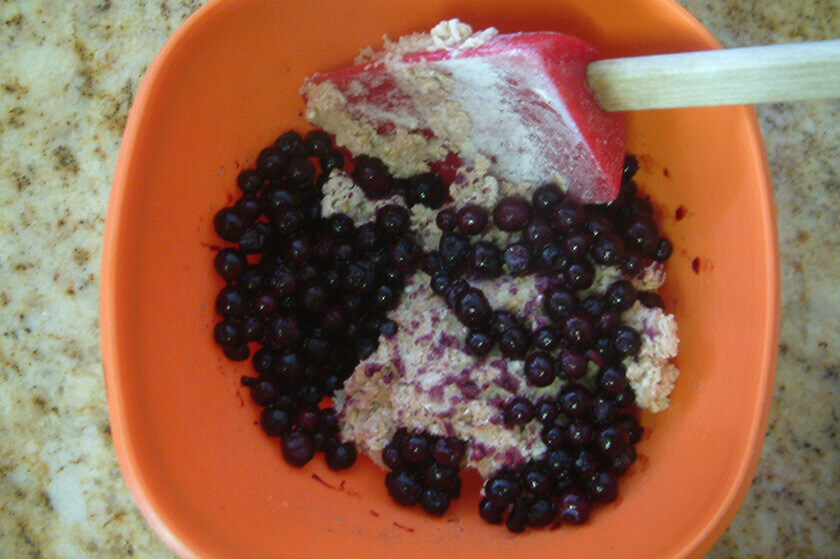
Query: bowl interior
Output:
(185,431)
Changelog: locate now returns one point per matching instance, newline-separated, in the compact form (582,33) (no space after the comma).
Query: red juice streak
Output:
(403,527)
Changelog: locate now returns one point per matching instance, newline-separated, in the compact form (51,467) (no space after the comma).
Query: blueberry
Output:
(284,331)
(518,412)
(602,487)
(622,462)
(250,181)
(289,367)
(230,224)
(626,398)
(231,302)
(227,334)
(574,507)
(275,421)
(415,449)
(340,456)
(486,260)
(626,341)
(502,321)
(631,425)
(608,249)
(586,462)
(392,220)
(434,501)
(607,320)
(446,220)
(558,462)
(536,482)
(546,338)
(546,197)
(539,369)
(546,412)
(367,237)
(571,365)
(306,420)
(578,433)
(491,512)
(514,341)
(472,308)
(404,487)
(471,219)
(632,264)
(579,275)
(663,250)
(517,259)
(578,328)
(518,516)
(403,255)
(567,215)
(263,361)
(297,447)
(541,512)
(651,300)
(603,409)
(290,142)
(553,436)
(288,220)
(550,258)
(392,457)
(250,206)
(455,290)
(439,282)
(642,234)
(574,400)
(597,224)
(426,189)
(621,295)
(229,264)
(449,452)
(501,489)
(559,302)
(333,159)
(631,166)
(372,176)
(577,244)
(537,232)
(512,213)
(271,161)
(438,476)
(479,343)
(317,142)
(300,170)
(454,251)
(341,225)
(263,392)
(610,441)
(613,379)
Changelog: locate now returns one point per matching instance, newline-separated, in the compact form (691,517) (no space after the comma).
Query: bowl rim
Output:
(111,349)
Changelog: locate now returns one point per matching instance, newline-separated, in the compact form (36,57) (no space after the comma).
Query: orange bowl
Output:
(206,477)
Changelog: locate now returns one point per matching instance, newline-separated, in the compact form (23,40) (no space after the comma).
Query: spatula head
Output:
(521,100)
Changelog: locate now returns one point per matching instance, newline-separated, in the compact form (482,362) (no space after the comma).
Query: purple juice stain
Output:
(372,368)
(449,341)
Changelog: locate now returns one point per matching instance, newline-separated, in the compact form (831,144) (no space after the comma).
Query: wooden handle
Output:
(722,77)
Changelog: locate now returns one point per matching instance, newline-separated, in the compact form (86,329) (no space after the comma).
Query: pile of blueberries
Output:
(424,470)
(309,295)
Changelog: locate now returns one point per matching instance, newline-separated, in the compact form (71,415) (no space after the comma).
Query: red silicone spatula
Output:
(541,107)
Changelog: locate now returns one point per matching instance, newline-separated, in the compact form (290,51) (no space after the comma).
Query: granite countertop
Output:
(66,85)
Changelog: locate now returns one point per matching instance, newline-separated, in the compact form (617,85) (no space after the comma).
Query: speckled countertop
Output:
(68,71)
